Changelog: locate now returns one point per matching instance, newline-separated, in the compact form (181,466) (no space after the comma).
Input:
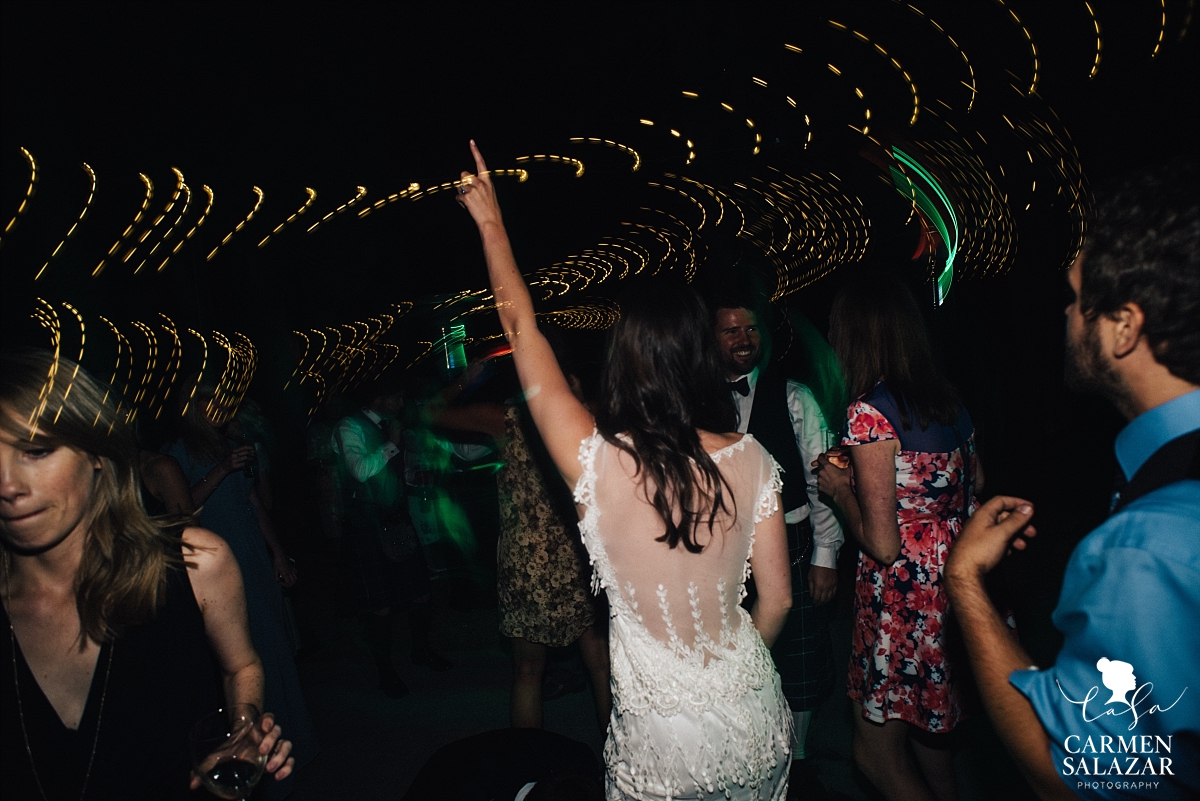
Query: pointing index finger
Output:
(480,167)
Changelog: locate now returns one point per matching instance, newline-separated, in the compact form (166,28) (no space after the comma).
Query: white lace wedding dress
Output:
(697,707)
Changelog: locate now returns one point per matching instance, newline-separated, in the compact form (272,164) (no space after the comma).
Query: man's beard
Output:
(1086,371)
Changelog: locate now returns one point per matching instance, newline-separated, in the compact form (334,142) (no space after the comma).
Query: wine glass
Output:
(225,751)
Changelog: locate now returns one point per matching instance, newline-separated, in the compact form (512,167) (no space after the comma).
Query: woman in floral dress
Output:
(911,445)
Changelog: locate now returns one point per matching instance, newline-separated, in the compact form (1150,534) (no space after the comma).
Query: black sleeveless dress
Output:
(160,683)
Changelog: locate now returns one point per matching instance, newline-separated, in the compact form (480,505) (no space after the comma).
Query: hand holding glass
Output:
(225,751)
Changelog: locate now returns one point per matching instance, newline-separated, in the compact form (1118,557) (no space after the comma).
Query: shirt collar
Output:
(374,418)
(1152,429)
(751,378)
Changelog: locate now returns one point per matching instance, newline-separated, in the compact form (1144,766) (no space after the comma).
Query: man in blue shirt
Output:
(1118,715)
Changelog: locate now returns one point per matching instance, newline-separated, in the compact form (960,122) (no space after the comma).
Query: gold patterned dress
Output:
(543,589)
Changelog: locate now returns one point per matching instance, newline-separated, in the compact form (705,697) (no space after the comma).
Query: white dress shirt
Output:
(350,440)
(812,439)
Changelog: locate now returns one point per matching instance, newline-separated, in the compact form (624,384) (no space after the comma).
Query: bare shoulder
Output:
(712,442)
(206,550)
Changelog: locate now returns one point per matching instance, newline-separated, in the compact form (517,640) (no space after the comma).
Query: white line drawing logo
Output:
(1119,678)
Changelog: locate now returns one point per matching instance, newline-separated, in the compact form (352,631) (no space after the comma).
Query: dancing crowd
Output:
(678,516)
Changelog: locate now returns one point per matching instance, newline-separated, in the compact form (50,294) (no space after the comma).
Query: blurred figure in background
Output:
(381,560)
(228,503)
(911,445)
(541,582)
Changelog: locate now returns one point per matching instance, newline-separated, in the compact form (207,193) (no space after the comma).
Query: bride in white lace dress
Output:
(675,515)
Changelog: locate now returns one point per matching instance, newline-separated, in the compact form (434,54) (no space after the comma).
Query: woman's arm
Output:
(285,569)
(772,577)
(217,584)
(561,419)
(870,513)
(165,479)
(235,460)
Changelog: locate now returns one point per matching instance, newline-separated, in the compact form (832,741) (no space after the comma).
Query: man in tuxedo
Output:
(783,415)
(381,560)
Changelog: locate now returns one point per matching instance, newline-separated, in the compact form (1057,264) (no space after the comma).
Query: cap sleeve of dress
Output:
(768,496)
(865,423)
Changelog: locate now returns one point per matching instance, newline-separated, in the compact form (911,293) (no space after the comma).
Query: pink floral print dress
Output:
(898,665)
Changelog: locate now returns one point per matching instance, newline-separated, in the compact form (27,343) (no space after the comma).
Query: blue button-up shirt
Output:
(1122,703)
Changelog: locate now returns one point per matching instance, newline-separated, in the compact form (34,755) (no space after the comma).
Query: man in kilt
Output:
(784,416)
(381,563)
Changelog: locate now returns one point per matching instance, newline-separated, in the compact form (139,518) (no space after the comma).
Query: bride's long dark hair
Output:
(663,379)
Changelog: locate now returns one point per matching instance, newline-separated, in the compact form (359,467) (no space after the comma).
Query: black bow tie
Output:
(741,386)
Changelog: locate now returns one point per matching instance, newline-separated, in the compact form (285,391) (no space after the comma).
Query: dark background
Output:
(333,96)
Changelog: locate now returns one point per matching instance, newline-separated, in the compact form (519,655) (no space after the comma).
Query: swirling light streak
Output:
(637,159)
(30,189)
(151,361)
(678,191)
(1099,40)
(912,85)
(174,360)
(82,215)
(1033,51)
(1162,28)
(78,359)
(157,220)
(576,163)
(187,202)
(970,70)
(199,222)
(392,198)
(203,367)
(257,204)
(599,315)
(48,318)
(137,218)
(1187,20)
(359,194)
(312,196)
(303,357)
(116,367)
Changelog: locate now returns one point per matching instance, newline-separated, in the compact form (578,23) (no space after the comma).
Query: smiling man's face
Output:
(738,340)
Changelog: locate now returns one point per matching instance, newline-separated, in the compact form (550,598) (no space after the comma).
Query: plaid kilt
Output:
(370,579)
(804,651)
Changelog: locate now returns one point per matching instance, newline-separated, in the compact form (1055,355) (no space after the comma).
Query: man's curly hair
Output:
(1143,247)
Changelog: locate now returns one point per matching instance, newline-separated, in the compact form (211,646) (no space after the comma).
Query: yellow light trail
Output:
(257,203)
(30,189)
(912,85)
(312,195)
(157,220)
(360,194)
(576,163)
(83,214)
(137,218)
(48,317)
(187,202)
(199,222)
(1162,28)
(1033,52)
(78,359)
(1099,40)
(963,53)
(203,367)
(637,159)
(174,360)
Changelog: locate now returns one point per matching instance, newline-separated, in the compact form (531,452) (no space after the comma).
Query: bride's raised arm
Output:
(561,419)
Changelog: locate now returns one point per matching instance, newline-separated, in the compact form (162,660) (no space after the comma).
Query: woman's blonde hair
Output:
(122,575)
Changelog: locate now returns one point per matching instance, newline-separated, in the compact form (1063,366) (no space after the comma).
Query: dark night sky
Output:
(333,96)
